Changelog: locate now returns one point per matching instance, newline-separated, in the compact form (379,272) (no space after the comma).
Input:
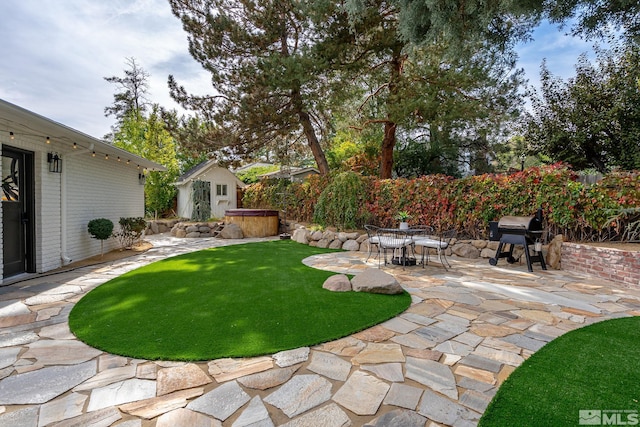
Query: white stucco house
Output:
(225,189)
(56,179)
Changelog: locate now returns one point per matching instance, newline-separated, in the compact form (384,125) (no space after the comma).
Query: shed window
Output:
(221,189)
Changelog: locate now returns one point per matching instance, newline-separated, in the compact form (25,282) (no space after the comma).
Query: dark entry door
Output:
(17,211)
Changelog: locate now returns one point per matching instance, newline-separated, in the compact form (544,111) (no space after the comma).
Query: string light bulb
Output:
(118,158)
(93,154)
(106,157)
(11,135)
(128,161)
(48,140)
(75,145)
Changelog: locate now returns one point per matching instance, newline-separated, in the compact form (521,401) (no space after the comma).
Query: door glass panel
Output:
(10,173)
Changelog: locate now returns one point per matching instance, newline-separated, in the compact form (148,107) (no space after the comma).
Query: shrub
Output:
(131,230)
(608,210)
(101,229)
(342,203)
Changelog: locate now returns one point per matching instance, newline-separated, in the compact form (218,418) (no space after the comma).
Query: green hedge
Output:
(598,212)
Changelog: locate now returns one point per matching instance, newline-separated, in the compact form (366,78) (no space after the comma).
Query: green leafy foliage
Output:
(593,119)
(604,211)
(341,203)
(100,228)
(252,175)
(270,86)
(131,230)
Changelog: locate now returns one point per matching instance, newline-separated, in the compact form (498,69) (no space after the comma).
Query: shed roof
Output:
(202,168)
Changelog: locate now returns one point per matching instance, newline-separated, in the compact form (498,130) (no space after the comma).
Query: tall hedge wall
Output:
(608,210)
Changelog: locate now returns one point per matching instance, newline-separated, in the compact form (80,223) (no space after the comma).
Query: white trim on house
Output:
(88,186)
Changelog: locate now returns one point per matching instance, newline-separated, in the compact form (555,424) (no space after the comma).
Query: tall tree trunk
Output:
(388,143)
(310,133)
(389,139)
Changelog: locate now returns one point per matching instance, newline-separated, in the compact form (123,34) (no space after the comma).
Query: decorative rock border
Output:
(183,228)
(355,241)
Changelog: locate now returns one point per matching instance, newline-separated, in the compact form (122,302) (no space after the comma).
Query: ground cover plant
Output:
(235,301)
(594,368)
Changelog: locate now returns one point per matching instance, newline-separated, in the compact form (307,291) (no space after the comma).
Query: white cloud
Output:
(560,50)
(58,53)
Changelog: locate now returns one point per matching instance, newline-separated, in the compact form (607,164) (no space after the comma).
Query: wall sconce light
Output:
(55,162)
(142,178)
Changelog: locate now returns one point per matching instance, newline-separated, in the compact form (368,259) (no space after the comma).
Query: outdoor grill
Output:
(518,230)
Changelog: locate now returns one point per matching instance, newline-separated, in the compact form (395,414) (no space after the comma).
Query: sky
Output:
(56,53)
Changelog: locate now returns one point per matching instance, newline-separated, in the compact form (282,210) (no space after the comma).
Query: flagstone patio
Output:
(438,363)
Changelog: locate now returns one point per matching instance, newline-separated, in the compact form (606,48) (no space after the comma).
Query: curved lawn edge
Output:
(243,300)
(593,368)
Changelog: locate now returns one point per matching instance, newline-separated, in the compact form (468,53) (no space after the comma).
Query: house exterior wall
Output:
(88,187)
(219,204)
(98,188)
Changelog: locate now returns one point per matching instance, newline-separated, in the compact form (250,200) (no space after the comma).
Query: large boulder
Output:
(554,252)
(487,253)
(323,243)
(351,245)
(466,250)
(336,244)
(301,235)
(376,281)
(329,235)
(337,283)
(231,231)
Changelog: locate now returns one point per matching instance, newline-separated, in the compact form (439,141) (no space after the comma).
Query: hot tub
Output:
(254,222)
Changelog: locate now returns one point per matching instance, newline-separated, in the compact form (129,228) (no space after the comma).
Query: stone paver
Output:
(438,363)
(221,402)
(362,393)
(121,392)
(330,366)
(300,394)
(44,384)
(255,415)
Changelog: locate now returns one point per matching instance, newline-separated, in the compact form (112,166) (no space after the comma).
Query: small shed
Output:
(224,188)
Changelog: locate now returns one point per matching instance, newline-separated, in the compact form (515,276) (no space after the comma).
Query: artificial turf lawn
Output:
(234,301)
(596,367)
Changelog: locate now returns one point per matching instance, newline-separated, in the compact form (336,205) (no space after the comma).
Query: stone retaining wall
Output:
(360,242)
(183,228)
(617,265)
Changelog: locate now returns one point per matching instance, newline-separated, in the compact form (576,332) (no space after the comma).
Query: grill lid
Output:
(516,222)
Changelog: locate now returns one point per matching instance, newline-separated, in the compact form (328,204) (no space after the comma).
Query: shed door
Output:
(17,211)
